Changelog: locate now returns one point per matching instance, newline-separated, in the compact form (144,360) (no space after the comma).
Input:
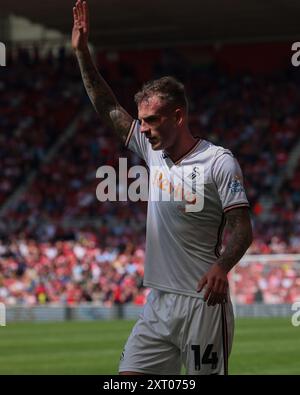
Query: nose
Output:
(144,127)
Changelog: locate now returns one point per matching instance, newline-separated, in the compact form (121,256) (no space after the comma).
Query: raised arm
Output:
(100,94)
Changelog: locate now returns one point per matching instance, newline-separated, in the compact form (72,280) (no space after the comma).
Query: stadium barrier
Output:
(90,312)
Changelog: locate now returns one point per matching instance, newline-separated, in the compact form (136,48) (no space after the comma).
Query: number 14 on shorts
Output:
(208,357)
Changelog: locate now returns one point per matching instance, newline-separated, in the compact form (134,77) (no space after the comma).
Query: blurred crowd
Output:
(272,282)
(37,102)
(71,272)
(59,243)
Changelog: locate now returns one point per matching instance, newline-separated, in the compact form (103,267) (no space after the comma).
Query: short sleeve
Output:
(137,142)
(228,178)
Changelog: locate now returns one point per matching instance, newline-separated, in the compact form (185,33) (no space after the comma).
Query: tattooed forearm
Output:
(121,121)
(99,92)
(239,225)
(101,96)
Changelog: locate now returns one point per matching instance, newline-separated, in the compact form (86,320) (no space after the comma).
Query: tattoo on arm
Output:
(102,97)
(239,225)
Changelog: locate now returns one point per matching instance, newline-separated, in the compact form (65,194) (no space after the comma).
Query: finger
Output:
(85,16)
(80,9)
(75,14)
(85,12)
(217,297)
(209,301)
(207,293)
(209,288)
(213,298)
(222,298)
(77,9)
(201,284)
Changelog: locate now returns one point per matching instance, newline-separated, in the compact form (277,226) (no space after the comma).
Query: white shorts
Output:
(177,329)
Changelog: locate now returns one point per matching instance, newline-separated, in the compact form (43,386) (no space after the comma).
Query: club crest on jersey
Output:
(235,185)
(194,173)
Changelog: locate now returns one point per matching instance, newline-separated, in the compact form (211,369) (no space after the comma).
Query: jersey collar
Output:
(190,151)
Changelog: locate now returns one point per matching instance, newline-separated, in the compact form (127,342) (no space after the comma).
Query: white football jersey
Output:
(186,206)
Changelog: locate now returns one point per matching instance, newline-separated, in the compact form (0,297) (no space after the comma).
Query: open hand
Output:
(81,26)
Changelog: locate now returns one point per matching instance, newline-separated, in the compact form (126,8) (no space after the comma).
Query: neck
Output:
(182,146)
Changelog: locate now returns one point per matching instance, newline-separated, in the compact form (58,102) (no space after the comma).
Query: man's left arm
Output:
(239,225)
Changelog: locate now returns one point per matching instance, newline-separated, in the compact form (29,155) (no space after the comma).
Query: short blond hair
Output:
(168,89)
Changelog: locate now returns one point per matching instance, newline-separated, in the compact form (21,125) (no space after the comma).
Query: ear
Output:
(179,116)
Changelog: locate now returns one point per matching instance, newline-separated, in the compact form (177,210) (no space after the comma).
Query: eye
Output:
(151,119)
